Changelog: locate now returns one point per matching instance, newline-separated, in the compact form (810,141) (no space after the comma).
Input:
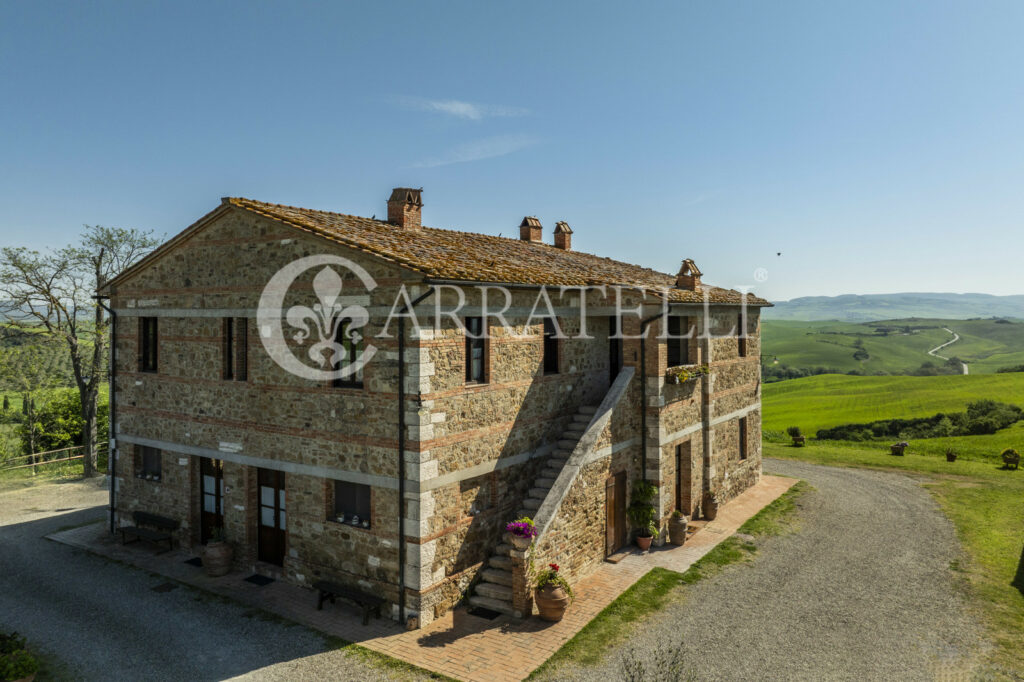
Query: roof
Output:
(451,255)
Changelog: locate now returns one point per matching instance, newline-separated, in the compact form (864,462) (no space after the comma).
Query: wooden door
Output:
(272,517)
(211,495)
(684,478)
(615,512)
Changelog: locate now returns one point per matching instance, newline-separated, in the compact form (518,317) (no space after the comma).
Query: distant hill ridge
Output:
(869,307)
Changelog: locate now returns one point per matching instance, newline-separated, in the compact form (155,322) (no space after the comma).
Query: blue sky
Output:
(877,145)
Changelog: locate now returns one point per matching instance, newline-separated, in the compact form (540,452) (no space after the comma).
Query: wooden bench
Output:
(367,602)
(163,525)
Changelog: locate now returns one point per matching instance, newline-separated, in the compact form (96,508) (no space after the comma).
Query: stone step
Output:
(532,503)
(539,493)
(557,462)
(545,481)
(587,409)
(573,434)
(497,576)
(502,562)
(499,605)
(567,444)
(503,549)
(527,512)
(551,472)
(582,419)
(493,591)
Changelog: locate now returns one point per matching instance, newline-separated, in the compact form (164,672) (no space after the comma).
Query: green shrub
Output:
(11,643)
(794,432)
(17,665)
(641,512)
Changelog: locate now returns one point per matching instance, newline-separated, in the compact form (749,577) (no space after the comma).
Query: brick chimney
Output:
(689,276)
(563,236)
(405,207)
(530,230)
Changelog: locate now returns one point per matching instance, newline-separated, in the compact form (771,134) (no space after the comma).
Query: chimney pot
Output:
(530,230)
(405,207)
(689,276)
(563,236)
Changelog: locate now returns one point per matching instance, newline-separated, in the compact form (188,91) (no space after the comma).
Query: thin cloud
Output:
(461,109)
(485,148)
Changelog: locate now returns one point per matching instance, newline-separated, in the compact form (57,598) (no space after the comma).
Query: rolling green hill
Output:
(893,346)
(829,400)
(862,308)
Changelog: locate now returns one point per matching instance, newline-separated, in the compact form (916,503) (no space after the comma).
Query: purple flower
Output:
(522,529)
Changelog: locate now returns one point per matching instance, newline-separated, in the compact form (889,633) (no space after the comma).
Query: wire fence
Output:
(60,463)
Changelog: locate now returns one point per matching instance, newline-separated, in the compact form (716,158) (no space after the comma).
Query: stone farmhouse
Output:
(398,478)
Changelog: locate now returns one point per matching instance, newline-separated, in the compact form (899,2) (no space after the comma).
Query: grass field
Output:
(829,400)
(986,345)
(985,504)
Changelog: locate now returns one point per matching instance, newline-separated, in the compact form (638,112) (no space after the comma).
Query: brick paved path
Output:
(458,645)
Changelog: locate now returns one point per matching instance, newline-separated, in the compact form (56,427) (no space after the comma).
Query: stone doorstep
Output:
(456,644)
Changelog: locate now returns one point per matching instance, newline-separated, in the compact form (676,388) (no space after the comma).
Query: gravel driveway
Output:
(862,591)
(99,620)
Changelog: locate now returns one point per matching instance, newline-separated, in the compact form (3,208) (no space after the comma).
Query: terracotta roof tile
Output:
(472,257)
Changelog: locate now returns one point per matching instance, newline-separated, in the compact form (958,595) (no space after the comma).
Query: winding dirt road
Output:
(934,352)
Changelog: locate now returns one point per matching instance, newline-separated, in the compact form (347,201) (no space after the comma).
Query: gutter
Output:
(401,453)
(643,391)
(112,412)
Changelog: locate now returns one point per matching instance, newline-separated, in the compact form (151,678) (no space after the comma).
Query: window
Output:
(741,338)
(147,462)
(743,438)
(235,349)
(351,504)
(678,348)
(550,346)
(352,347)
(476,350)
(147,344)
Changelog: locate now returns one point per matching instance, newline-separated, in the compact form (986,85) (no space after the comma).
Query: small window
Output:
(352,504)
(476,350)
(148,344)
(147,462)
(743,438)
(678,348)
(741,337)
(352,347)
(234,351)
(550,347)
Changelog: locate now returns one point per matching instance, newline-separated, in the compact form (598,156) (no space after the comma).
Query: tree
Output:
(54,292)
(7,404)
(27,369)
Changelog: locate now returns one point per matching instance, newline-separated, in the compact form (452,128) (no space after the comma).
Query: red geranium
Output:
(554,567)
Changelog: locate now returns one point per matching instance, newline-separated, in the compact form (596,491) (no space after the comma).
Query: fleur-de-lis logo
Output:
(330,324)
(327,317)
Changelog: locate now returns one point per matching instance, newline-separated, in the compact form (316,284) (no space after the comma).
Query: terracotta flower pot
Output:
(644,543)
(217,558)
(551,601)
(521,543)
(677,529)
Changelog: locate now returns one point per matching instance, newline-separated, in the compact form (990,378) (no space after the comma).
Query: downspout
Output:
(401,453)
(643,392)
(112,413)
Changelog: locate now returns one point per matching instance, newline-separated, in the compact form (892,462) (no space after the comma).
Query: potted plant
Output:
(677,525)
(522,532)
(642,514)
(217,554)
(709,506)
(898,448)
(1011,458)
(680,375)
(552,594)
(16,663)
(797,435)
(950,455)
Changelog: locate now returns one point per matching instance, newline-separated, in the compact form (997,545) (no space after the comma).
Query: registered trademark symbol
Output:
(761,275)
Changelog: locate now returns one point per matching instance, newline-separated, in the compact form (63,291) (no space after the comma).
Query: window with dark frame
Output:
(678,348)
(348,357)
(228,348)
(743,438)
(550,346)
(148,344)
(147,462)
(741,337)
(234,350)
(352,504)
(476,351)
(241,349)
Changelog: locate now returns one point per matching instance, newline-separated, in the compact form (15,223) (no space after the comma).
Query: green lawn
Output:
(985,504)
(829,400)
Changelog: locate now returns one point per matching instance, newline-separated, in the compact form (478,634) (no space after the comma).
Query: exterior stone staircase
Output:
(494,590)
